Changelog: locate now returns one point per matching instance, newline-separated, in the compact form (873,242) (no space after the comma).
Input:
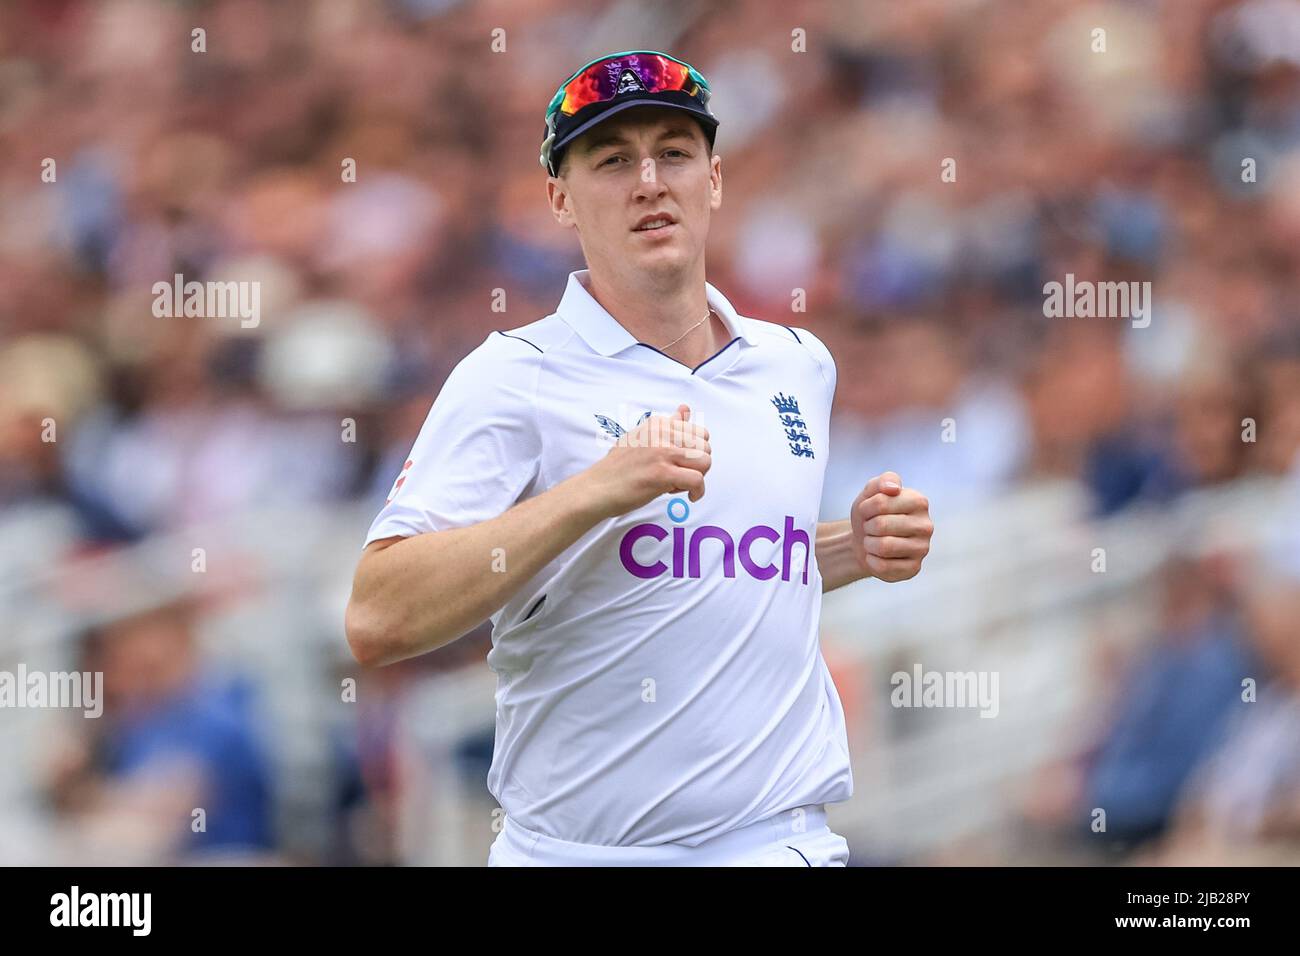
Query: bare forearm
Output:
(835,558)
(427,590)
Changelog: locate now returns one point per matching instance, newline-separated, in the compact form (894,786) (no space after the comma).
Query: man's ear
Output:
(558,196)
(715,179)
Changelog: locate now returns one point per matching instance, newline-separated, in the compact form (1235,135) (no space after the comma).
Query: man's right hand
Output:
(665,454)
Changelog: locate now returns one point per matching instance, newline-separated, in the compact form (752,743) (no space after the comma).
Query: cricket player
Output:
(629,488)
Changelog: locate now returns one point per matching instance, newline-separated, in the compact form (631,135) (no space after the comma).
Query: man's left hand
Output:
(891,528)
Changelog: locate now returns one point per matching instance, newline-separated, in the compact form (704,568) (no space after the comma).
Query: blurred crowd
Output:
(1169,156)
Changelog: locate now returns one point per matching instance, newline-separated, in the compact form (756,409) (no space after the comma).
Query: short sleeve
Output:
(823,356)
(477,451)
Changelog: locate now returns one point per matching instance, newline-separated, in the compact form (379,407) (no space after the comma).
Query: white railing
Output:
(1016,590)
(277,582)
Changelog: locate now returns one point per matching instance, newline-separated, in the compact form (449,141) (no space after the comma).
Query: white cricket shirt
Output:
(670,686)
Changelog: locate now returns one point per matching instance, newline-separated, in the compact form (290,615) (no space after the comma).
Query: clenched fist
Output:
(891,528)
(665,454)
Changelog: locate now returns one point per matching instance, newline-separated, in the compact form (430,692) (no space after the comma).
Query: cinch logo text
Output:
(686,548)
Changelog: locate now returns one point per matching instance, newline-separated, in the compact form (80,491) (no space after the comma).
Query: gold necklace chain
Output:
(688,331)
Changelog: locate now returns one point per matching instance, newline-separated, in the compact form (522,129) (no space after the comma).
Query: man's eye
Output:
(677,151)
(611,159)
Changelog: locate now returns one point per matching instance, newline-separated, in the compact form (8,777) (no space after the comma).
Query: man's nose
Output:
(648,182)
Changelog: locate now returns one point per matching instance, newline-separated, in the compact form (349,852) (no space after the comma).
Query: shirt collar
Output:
(607,337)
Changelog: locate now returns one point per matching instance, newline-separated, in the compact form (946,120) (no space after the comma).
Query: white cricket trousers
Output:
(791,838)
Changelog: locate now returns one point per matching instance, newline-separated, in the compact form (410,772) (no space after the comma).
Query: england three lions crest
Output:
(796,431)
